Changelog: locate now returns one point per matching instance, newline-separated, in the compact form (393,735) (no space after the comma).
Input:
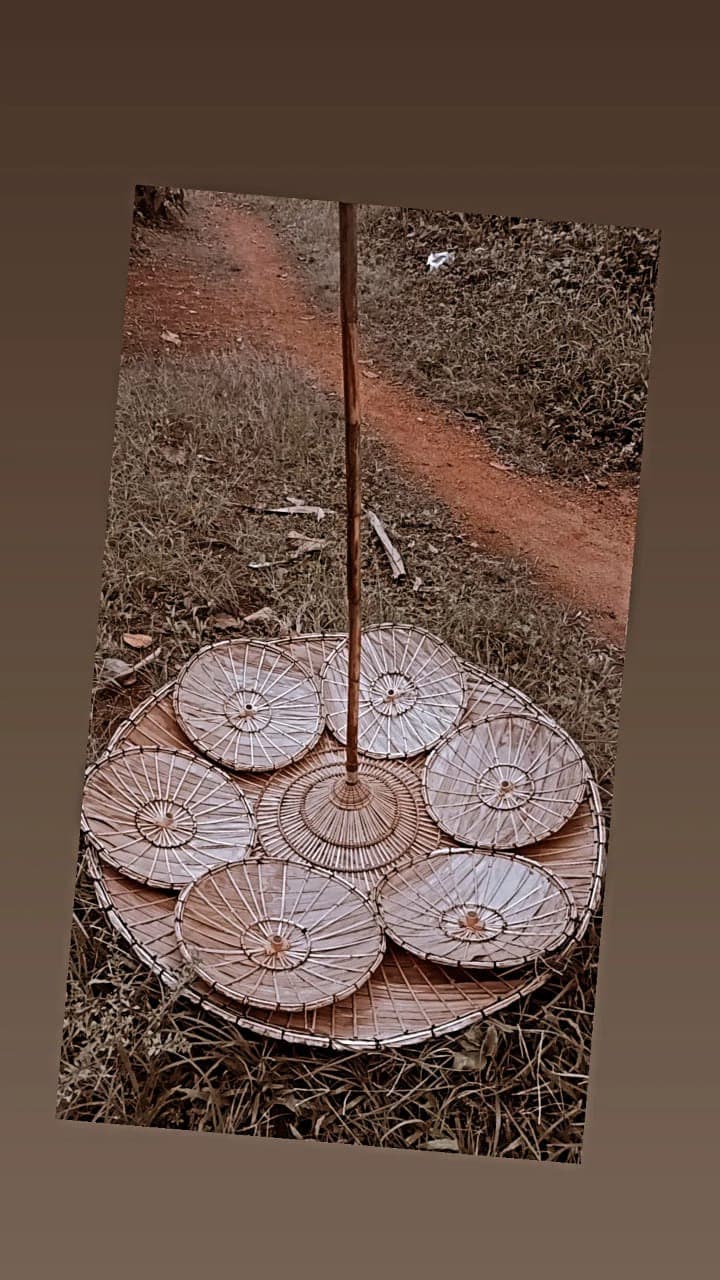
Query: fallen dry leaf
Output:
(477,1046)
(137,641)
(304,545)
(174,453)
(116,669)
(167,336)
(225,622)
(262,615)
(467,1062)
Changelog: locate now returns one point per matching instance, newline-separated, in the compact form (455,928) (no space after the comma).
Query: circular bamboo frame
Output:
(412,691)
(477,910)
(248,705)
(505,782)
(163,815)
(278,935)
(407,1000)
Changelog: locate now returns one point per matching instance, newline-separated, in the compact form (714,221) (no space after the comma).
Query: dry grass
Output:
(196,440)
(538,333)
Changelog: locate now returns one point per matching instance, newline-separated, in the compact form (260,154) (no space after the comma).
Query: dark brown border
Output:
(86,1199)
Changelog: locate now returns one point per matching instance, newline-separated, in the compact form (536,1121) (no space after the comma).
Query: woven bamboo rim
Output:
(248,705)
(505,782)
(477,910)
(278,935)
(412,691)
(407,1000)
(164,816)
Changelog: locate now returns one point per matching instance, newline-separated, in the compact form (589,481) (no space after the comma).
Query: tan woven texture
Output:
(412,691)
(505,782)
(248,705)
(407,999)
(309,811)
(477,910)
(164,816)
(279,935)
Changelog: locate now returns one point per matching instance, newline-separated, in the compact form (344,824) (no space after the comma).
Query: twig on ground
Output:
(299,509)
(303,547)
(397,566)
(119,679)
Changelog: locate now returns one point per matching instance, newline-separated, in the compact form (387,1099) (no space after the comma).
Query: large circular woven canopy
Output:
(311,812)
(476,910)
(248,705)
(164,816)
(412,691)
(279,935)
(505,782)
(407,999)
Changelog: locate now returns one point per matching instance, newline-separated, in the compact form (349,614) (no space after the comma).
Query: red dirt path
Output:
(225,277)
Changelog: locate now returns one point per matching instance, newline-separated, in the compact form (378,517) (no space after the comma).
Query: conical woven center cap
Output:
(359,814)
(352,795)
(339,825)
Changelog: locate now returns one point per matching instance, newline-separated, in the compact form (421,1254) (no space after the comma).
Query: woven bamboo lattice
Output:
(310,812)
(248,705)
(407,1000)
(278,935)
(412,691)
(164,816)
(505,782)
(477,910)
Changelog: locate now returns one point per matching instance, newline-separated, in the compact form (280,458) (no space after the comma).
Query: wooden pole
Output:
(349,327)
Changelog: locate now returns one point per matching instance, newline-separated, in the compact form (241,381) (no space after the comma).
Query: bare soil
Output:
(223,277)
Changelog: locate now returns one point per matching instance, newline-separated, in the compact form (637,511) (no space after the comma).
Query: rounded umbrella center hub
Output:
(276,944)
(472,924)
(247,711)
(167,824)
(505,786)
(393,694)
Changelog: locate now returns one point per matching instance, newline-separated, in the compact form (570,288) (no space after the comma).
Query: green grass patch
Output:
(537,334)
